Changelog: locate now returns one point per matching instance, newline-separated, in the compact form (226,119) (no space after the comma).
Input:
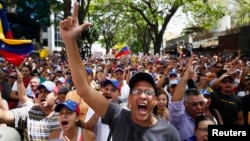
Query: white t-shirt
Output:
(124,94)
(101,130)
(14,88)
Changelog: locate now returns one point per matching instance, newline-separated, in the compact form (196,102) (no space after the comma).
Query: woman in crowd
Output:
(202,84)
(201,128)
(68,117)
(210,111)
(161,108)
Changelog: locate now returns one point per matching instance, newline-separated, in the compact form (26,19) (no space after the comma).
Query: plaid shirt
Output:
(36,125)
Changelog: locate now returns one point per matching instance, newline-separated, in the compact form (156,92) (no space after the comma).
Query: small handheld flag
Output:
(121,50)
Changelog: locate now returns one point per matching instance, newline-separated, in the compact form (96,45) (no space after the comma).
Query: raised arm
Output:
(163,77)
(91,123)
(6,116)
(181,87)
(70,30)
(105,72)
(21,88)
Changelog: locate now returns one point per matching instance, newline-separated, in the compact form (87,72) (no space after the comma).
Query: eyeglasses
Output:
(195,104)
(224,81)
(202,129)
(148,92)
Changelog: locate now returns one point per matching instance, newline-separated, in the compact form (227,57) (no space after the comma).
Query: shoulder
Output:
(117,112)
(114,109)
(72,93)
(246,98)
(193,138)
(88,134)
(54,134)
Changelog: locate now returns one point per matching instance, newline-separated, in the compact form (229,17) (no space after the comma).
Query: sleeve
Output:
(14,87)
(113,111)
(176,112)
(89,114)
(20,115)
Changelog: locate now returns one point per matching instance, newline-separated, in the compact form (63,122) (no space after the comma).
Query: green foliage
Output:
(241,13)
(136,23)
(35,11)
(141,24)
(204,15)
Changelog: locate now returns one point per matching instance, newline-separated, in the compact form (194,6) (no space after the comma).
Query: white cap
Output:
(61,79)
(9,134)
(173,82)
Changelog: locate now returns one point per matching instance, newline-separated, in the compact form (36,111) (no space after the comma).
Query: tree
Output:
(241,14)
(88,37)
(155,15)
(204,15)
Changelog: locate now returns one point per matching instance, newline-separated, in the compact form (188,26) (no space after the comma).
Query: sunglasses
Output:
(224,81)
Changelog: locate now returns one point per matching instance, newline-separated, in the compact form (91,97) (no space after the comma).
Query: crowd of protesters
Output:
(216,87)
(135,97)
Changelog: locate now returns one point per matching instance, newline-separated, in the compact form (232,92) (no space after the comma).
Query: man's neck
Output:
(48,111)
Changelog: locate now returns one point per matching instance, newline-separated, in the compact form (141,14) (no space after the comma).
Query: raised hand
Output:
(189,73)
(70,28)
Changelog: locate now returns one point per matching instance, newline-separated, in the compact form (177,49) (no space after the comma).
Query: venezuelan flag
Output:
(14,51)
(5,25)
(122,51)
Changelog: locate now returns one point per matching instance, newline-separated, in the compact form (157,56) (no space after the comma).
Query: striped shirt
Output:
(35,124)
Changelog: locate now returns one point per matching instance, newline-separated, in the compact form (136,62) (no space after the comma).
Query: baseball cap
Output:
(69,104)
(205,92)
(49,85)
(140,76)
(150,62)
(9,134)
(88,70)
(58,69)
(173,82)
(173,73)
(61,79)
(115,83)
(223,76)
(119,69)
(63,90)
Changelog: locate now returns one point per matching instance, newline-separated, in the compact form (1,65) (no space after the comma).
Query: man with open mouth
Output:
(37,120)
(138,123)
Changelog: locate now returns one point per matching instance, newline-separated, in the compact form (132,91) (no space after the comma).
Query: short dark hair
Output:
(204,118)
(161,91)
(191,91)
(27,66)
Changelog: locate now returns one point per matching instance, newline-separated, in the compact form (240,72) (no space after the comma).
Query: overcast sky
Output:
(177,23)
